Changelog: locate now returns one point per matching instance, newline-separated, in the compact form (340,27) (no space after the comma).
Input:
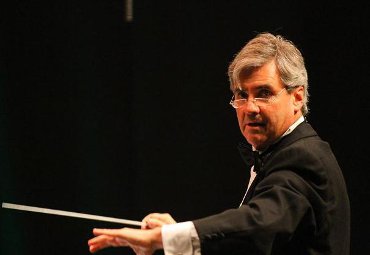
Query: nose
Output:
(250,107)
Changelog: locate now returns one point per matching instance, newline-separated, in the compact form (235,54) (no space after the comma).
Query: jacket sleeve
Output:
(279,204)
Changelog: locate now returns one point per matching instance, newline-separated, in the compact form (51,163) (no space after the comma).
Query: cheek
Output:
(239,116)
(278,123)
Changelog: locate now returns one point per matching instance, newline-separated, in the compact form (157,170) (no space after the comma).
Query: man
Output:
(296,202)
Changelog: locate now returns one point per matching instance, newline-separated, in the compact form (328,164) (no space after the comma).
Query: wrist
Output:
(157,238)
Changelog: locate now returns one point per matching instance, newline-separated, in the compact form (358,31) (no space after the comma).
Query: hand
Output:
(155,220)
(143,242)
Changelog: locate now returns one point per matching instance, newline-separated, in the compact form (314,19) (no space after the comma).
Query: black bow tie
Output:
(250,157)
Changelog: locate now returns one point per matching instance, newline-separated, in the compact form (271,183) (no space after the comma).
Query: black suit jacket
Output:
(298,204)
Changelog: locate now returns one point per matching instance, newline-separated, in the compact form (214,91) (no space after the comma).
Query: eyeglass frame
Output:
(256,99)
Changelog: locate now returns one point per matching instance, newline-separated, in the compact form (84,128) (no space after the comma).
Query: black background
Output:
(104,116)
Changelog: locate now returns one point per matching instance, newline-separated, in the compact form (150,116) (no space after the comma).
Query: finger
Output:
(94,248)
(144,222)
(157,220)
(100,239)
(113,236)
(117,241)
(160,219)
(109,232)
(103,241)
(94,240)
(97,247)
(150,215)
(167,218)
(99,243)
(153,223)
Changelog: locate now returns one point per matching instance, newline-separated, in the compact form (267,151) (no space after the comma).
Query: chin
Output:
(258,144)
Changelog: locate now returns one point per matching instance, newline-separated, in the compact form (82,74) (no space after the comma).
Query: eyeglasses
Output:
(264,99)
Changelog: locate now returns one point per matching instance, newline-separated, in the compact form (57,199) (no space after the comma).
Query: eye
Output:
(240,94)
(264,93)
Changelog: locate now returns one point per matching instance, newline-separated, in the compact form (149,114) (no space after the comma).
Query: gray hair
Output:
(264,48)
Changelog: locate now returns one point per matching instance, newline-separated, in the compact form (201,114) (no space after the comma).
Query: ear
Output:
(298,95)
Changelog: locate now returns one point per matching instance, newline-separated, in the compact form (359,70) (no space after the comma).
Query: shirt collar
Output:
(292,127)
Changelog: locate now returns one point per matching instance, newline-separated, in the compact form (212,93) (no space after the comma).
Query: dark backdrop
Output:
(109,117)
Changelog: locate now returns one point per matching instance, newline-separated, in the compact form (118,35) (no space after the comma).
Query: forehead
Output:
(266,75)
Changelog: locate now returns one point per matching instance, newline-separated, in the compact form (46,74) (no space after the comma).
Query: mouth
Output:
(255,124)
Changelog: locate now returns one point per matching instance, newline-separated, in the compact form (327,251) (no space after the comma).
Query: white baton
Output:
(69,214)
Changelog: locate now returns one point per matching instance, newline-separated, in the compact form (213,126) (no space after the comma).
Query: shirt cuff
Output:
(180,239)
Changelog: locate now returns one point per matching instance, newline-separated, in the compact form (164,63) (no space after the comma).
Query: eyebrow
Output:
(258,87)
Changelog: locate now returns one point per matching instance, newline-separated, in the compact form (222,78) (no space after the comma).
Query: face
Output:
(262,126)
